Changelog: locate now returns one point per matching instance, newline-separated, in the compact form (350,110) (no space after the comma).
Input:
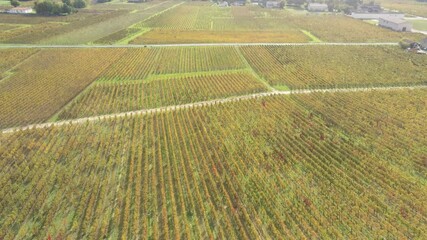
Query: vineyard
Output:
(46,81)
(195,23)
(322,136)
(143,62)
(294,167)
(125,96)
(346,29)
(392,129)
(88,25)
(166,36)
(331,66)
(36,29)
(11,57)
(188,22)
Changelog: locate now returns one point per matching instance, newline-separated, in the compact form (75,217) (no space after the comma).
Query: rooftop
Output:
(21,8)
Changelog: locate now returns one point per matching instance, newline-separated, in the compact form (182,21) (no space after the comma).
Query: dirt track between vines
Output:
(200,104)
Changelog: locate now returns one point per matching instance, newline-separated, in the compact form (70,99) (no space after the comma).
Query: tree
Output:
(66,2)
(67,9)
(49,7)
(44,8)
(79,4)
(15,3)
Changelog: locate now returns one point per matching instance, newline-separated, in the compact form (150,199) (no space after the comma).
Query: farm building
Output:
(20,10)
(370,7)
(137,1)
(317,7)
(271,4)
(396,24)
(238,3)
(223,4)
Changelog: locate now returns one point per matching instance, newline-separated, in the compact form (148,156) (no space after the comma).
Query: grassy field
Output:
(419,24)
(273,167)
(336,66)
(411,7)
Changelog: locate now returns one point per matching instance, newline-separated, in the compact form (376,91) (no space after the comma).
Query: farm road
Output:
(201,104)
(4,46)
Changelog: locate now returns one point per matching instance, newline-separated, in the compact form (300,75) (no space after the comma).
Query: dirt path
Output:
(4,46)
(201,104)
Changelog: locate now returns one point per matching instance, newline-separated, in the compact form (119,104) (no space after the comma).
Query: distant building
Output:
(137,1)
(317,7)
(239,3)
(370,8)
(223,4)
(396,24)
(271,4)
(20,10)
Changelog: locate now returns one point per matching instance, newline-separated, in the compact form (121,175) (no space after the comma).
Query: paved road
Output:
(200,104)
(196,45)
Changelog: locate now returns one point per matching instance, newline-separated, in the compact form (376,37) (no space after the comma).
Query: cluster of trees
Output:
(340,5)
(103,1)
(49,7)
(15,3)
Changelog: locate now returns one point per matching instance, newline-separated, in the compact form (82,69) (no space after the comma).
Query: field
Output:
(153,93)
(166,36)
(48,80)
(267,168)
(408,6)
(288,125)
(12,57)
(144,62)
(420,25)
(345,29)
(331,66)
(157,22)
(84,27)
(248,24)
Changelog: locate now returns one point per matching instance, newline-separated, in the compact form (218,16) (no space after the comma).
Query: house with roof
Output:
(317,7)
(271,4)
(20,10)
(396,24)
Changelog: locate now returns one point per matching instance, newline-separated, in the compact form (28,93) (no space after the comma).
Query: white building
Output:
(223,4)
(271,4)
(317,7)
(376,16)
(395,24)
(20,10)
